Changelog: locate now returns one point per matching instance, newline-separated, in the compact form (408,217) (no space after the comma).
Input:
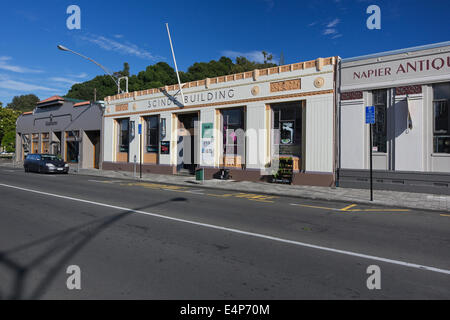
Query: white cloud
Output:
(123,48)
(255,55)
(82,75)
(64,80)
(22,86)
(329,31)
(333,23)
(5,65)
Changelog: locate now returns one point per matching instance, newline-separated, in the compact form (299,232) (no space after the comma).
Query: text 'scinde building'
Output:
(243,122)
(62,126)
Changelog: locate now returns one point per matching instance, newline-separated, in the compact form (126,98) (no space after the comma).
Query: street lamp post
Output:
(116,81)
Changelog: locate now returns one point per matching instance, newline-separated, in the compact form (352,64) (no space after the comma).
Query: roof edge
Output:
(398,51)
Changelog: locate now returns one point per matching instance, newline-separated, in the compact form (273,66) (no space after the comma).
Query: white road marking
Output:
(251,234)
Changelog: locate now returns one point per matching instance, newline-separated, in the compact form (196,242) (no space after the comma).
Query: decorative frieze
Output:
(285,85)
(353,95)
(122,107)
(402,91)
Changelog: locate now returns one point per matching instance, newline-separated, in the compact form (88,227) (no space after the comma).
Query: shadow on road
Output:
(71,240)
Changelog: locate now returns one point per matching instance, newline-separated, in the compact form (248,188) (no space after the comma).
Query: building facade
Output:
(243,122)
(64,127)
(410,89)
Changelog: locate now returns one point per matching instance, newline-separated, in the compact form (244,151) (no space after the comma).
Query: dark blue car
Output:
(45,163)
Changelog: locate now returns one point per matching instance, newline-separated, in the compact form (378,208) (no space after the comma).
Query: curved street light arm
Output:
(98,64)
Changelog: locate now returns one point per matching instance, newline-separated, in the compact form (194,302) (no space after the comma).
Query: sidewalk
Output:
(359,196)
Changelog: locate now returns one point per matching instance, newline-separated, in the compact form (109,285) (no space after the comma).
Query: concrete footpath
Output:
(357,196)
(360,196)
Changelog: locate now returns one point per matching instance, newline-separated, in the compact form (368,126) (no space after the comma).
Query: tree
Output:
(23,103)
(8,119)
(9,141)
(104,85)
(162,74)
(267,57)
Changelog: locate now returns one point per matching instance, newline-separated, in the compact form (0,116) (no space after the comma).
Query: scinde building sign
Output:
(194,98)
(396,70)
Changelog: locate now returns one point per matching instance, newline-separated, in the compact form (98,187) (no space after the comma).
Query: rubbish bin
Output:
(200,174)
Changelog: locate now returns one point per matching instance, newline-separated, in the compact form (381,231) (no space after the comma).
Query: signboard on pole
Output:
(370,120)
(140,128)
(370,115)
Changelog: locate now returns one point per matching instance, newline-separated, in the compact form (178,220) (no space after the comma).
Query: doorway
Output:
(187,143)
(91,149)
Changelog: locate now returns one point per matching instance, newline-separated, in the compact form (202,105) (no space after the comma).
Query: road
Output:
(136,240)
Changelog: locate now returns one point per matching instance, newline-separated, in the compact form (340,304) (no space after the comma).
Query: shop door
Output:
(187,146)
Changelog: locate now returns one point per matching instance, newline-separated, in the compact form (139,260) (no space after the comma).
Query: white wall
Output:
(256,136)
(352,134)
(319,134)
(109,146)
(409,148)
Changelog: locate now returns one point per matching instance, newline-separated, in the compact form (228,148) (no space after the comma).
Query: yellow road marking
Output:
(348,207)
(379,210)
(248,196)
(354,210)
(314,207)
(445,215)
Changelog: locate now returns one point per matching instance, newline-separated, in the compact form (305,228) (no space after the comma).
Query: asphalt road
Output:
(136,240)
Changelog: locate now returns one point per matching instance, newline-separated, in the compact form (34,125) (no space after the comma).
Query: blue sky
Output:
(133,31)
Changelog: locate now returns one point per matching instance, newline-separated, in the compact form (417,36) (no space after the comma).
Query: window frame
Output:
(121,136)
(377,106)
(277,118)
(241,126)
(148,134)
(435,134)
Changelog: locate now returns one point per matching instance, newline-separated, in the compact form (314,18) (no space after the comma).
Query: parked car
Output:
(45,163)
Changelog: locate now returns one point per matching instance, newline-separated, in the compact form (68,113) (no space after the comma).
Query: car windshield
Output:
(49,158)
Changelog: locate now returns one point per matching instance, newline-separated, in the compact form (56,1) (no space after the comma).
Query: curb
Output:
(238,189)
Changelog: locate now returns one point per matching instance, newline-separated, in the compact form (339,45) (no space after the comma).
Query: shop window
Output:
(35,143)
(124,135)
(26,144)
(233,136)
(45,147)
(45,143)
(152,136)
(441,125)
(379,142)
(287,122)
(73,148)
(72,134)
